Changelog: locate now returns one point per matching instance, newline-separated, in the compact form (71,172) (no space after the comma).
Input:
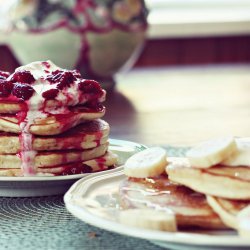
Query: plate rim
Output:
(82,186)
(112,142)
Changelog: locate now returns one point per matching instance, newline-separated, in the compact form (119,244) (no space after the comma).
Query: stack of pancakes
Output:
(50,123)
(225,184)
(210,195)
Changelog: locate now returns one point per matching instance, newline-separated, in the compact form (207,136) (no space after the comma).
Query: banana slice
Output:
(242,156)
(148,219)
(147,163)
(212,152)
(243,218)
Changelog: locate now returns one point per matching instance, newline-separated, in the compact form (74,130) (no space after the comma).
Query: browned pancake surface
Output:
(221,181)
(190,207)
(84,136)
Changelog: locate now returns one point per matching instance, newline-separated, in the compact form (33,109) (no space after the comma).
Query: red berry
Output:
(66,80)
(5,88)
(22,90)
(91,87)
(62,78)
(55,76)
(50,94)
(23,76)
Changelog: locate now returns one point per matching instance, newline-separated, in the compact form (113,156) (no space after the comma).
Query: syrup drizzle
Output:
(27,153)
(160,194)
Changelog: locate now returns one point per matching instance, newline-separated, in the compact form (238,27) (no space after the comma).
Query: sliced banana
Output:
(211,152)
(243,218)
(242,156)
(148,219)
(147,163)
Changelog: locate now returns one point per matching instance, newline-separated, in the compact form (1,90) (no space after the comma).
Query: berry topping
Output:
(23,91)
(23,76)
(91,87)
(62,78)
(4,75)
(55,76)
(66,80)
(50,94)
(5,88)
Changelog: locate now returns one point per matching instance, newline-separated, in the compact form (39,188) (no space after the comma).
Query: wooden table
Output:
(180,106)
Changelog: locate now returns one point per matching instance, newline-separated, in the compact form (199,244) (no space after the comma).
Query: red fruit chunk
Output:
(50,94)
(66,80)
(23,76)
(5,88)
(4,74)
(63,78)
(55,76)
(91,87)
(22,90)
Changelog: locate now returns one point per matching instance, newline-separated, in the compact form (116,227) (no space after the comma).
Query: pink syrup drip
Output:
(27,154)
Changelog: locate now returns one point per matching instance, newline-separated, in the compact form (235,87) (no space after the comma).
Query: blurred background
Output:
(197,32)
(179,32)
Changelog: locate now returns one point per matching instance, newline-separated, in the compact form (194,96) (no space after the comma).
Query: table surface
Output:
(167,106)
(180,106)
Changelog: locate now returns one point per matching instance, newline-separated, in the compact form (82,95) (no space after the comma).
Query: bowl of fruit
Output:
(98,37)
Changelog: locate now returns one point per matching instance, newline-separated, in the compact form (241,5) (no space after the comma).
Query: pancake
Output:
(191,208)
(221,181)
(102,163)
(228,209)
(51,125)
(84,136)
(53,158)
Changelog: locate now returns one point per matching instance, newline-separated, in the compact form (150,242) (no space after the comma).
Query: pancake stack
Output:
(149,188)
(219,169)
(209,188)
(50,123)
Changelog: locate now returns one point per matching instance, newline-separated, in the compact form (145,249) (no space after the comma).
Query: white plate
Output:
(52,185)
(95,200)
